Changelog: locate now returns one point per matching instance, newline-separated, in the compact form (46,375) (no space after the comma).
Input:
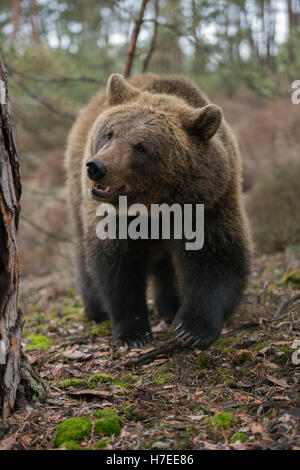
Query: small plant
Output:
(242,357)
(72,429)
(238,436)
(221,421)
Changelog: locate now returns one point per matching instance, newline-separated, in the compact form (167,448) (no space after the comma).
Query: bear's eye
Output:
(139,149)
(108,136)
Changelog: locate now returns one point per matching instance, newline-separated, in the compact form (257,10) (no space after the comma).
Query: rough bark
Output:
(10,314)
(16,374)
(132,46)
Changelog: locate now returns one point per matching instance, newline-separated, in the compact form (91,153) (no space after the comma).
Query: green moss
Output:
(202,361)
(68,383)
(38,342)
(238,436)
(107,426)
(4,427)
(260,346)
(97,379)
(162,378)
(284,355)
(101,444)
(242,357)
(129,379)
(71,445)
(72,429)
(221,421)
(99,331)
(108,413)
(291,278)
(223,376)
(128,411)
(223,343)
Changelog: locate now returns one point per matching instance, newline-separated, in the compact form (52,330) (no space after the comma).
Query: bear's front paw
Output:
(133,341)
(200,335)
(131,337)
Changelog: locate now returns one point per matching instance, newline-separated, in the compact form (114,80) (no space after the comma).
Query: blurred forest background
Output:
(244,53)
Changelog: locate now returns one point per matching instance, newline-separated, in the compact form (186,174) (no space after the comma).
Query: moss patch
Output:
(38,342)
(221,421)
(160,379)
(284,355)
(108,413)
(72,429)
(68,383)
(202,361)
(71,445)
(101,444)
(223,344)
(107,426)
(97,379)
(241,357)
(291,278)
(238,436)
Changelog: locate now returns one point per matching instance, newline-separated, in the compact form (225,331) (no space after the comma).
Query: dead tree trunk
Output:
(132,46)
(15,369)
(10,314)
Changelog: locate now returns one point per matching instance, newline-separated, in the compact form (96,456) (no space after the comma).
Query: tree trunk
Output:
(15,369)
(154,38)
(132,46)
(10,314)
(16,10)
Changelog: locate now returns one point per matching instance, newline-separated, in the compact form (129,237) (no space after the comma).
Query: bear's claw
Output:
(134,342)
(186,338)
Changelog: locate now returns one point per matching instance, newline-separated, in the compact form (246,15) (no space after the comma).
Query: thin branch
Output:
(46,232)
(45,103)
(170,347)
(132,46)
(282,306)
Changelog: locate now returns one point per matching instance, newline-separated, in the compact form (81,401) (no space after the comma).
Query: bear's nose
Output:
(95,169)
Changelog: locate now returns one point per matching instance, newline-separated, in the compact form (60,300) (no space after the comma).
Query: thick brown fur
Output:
(189,156)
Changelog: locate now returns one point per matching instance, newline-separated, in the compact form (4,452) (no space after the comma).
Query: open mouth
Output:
(103,192)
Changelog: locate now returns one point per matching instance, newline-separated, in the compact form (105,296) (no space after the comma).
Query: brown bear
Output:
(158,140)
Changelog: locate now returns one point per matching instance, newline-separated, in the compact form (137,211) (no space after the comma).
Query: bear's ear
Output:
(203,121)
(118,90)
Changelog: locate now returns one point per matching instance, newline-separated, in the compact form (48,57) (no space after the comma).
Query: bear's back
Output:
(175,85)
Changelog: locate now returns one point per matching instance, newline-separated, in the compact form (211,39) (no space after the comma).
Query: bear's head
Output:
(154,148)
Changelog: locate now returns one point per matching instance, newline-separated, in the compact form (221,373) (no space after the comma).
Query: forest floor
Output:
(242,393)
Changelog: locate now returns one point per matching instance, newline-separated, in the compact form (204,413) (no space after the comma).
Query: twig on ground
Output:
(284,304)
(167,349)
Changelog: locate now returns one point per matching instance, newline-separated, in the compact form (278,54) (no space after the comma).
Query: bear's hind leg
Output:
(166,297)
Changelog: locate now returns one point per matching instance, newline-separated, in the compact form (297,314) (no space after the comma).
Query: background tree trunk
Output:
(10,314)
(132,46)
